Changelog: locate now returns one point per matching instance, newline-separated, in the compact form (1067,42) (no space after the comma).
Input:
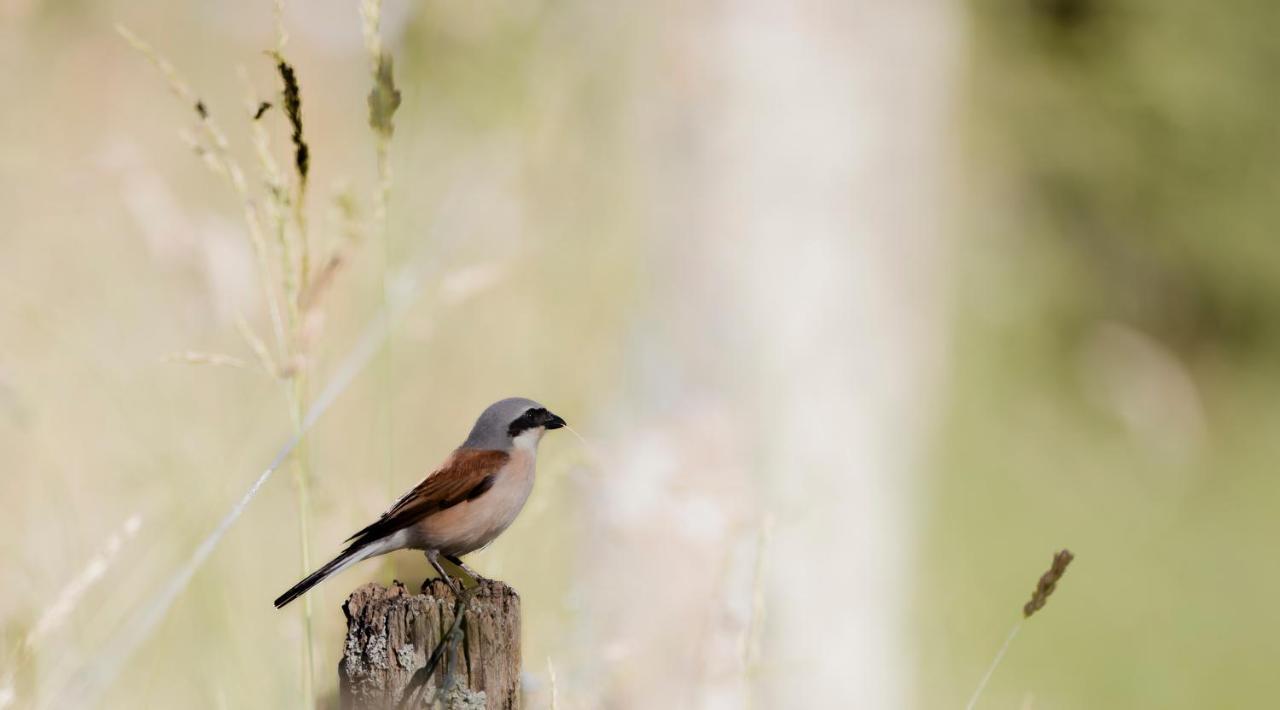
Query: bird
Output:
(461,506)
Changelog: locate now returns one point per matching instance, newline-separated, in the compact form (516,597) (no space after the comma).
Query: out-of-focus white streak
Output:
(823,184)
(795,154)
(57,612)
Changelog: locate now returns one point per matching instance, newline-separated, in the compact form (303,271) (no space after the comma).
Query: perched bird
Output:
(461,506)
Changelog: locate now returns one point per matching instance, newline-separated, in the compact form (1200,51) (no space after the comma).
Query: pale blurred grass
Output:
(98,427)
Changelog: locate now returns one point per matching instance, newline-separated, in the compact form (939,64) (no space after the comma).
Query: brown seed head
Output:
(1048,582)
(293,110)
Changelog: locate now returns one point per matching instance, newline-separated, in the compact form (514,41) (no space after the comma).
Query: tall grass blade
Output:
(89,682)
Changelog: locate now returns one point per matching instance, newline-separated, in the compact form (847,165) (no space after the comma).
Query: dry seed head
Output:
(384,98)
(1047,583)
(213,149)
(176,83)
(293,109)
(191,357)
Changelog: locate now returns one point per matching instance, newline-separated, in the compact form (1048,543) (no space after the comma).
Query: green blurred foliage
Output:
(1121,175)
(1142,140)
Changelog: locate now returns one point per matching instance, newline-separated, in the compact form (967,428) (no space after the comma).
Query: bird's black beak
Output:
(551,421)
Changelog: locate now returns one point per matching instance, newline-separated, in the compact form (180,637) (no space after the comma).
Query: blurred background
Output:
(863,310)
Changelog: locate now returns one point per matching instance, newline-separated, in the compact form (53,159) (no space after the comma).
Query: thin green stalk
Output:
(301,476)
(384,99)
(295,269)
(304,260)
(293,278)
(386,363)
(991,669)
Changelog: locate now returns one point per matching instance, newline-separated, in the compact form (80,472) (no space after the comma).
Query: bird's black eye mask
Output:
(534,417)
(530,419)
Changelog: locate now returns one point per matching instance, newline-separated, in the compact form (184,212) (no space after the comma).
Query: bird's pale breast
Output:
(472,524)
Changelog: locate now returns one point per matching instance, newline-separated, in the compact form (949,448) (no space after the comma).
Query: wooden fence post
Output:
(392,633)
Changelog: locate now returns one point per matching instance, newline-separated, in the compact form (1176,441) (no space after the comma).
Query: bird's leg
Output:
(463,566)
(433,556)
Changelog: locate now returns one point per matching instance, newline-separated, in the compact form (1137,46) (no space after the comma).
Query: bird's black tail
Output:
(348,557)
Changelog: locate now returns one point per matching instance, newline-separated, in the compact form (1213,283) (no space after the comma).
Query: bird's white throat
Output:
(528,439)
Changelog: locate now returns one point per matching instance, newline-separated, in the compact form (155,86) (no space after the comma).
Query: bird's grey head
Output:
(505,420)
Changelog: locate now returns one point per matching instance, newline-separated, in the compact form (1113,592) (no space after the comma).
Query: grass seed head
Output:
(1047,583)
(384,98)
(293,109)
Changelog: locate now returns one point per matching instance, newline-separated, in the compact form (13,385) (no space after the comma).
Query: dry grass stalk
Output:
(191,357)
(555,691)
(277,202)
(57,612)
(280,216)
(371,27)
(106,665)
(257,347)
(282,37)
(344,220)
(214,150)
(384,99)
(310,298)
(296,276)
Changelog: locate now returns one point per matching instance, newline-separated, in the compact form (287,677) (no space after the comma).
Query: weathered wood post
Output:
(392,633)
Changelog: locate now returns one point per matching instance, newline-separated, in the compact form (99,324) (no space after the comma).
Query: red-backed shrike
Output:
(461,506)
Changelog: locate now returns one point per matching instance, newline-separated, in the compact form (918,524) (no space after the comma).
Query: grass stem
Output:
(384,99)
(301,476)
(386,363)
(991,669)
(1045,587)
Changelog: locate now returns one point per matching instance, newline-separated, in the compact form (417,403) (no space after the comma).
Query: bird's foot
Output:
(476,576)
(434,558)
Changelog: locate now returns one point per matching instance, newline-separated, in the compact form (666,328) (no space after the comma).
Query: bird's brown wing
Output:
(465,475)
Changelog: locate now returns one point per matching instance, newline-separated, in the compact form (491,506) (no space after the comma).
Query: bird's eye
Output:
(525,421)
